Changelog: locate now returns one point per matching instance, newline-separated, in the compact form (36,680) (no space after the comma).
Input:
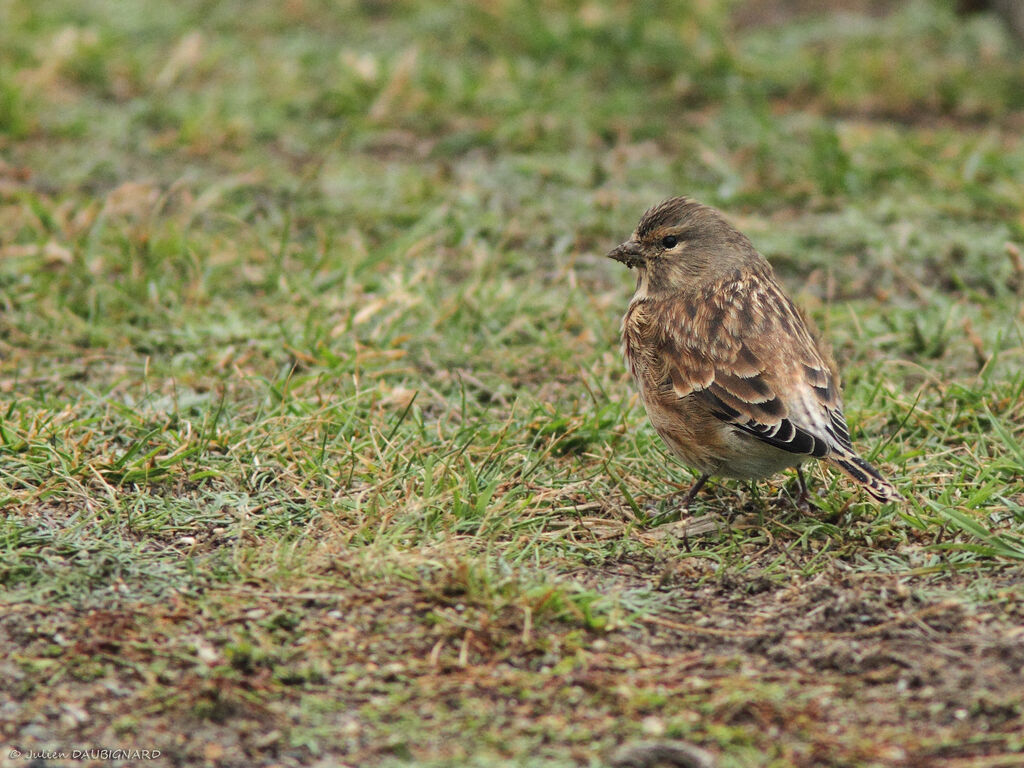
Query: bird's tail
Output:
(866,475)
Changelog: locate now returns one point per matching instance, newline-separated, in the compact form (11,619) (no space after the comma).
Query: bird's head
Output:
(680,241)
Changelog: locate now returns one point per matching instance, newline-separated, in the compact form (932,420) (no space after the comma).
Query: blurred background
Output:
(245,145)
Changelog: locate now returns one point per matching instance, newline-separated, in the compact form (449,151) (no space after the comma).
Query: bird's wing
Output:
(744,349)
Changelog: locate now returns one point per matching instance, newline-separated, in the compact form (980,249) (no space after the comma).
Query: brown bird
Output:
(731,374)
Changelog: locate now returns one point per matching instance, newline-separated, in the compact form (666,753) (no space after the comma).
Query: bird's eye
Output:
(669,241)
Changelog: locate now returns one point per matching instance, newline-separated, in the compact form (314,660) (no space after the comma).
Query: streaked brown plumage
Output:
(732,376)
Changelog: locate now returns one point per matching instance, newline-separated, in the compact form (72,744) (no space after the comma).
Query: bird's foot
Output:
(803,498)
(667,509)
(657,514)
(804,504)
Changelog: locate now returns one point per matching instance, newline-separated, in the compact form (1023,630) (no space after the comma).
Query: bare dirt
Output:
(842,668)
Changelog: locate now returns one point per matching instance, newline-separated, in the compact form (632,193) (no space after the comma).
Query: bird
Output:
(733,376)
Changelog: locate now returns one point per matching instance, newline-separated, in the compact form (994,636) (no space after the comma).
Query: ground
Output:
(316,444)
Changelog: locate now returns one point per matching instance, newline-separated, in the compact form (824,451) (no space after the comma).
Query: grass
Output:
(315,439)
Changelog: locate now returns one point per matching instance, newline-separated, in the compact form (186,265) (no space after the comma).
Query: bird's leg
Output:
(803,501)
(686,500)
(694,489)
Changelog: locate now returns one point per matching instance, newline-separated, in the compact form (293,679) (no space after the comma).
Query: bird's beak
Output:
(628,253)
